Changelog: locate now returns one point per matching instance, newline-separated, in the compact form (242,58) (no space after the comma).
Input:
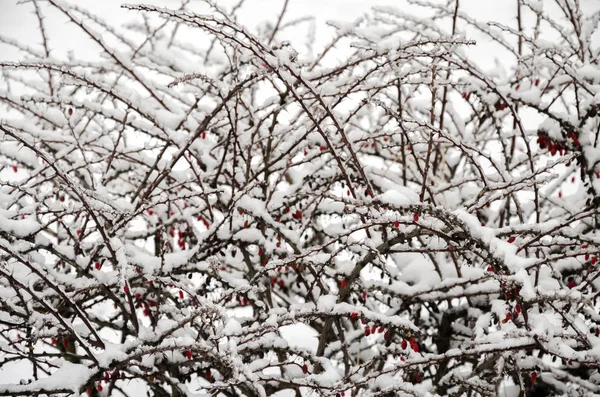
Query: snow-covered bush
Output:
(202,210)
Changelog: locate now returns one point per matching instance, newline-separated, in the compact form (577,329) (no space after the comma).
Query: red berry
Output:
(397,224)
(511,239)
(53,341)
(386,336)
(14,167)
(367,331)
(354,315)
(126,289)
(323,148)
(537,82)
(97,265)
(381,329)
(188,354)
(343,284)
(99,387)
(150,212)
(416,217)
(572,284)
(404,344)
(305,368)
(89,391)
(594,259)
(181,294)
(65,343)
(533,377)
(70,111)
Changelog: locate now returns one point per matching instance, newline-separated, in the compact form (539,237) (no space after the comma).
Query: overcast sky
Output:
(19,21)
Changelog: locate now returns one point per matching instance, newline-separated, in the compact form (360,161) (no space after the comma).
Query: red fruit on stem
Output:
(572,284)
(15,169)
(397,224)
(367,331)
(386,336)
(53,341)
(97,265)
(70,111)
(416,217)
(188,354)
(343,284)
(181,294)
(99,387)
(126,289)
(89,391)
(305,368)
(511,239)
(533,377)
(323,148)
(404,344)
(354,315)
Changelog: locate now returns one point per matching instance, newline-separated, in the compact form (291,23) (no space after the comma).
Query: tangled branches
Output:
(249,219)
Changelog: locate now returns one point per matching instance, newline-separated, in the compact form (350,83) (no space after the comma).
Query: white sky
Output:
(19,21)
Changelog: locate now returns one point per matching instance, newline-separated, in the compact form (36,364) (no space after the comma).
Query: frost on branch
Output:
(249,216)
